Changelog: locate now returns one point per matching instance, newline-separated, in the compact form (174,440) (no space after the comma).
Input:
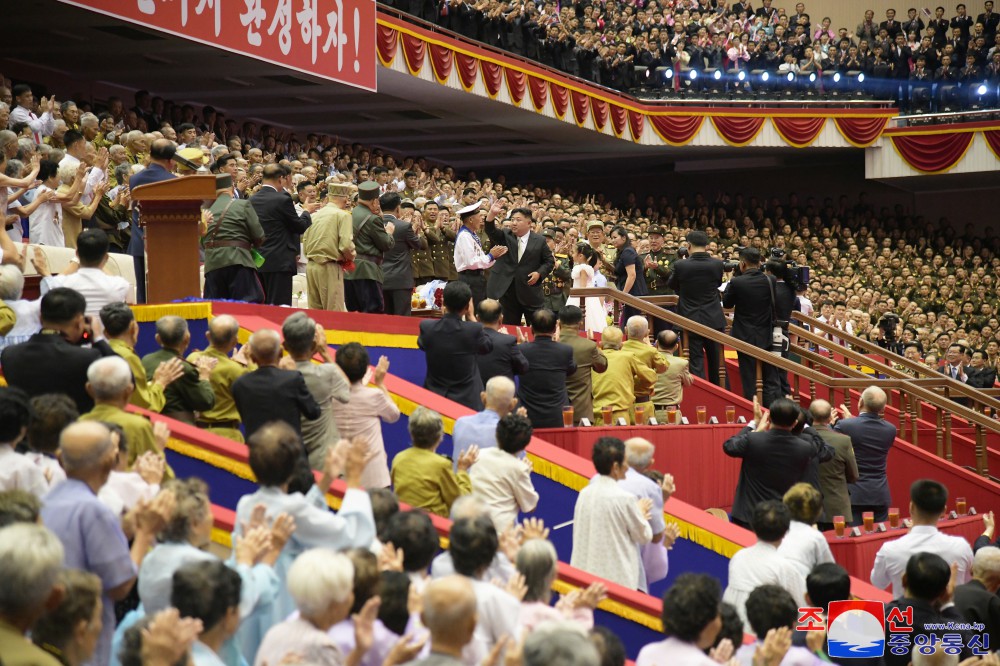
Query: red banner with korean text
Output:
(332,39)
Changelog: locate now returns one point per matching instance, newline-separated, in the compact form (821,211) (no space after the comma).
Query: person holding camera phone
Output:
(752,295)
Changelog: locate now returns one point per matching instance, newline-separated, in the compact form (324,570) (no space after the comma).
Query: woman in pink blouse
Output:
(537,561)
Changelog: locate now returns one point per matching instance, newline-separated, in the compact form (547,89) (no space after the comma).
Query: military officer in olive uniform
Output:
(223,419)
(606,253)
(442,257)
(328,245)
(423,265)
(556,284)
(230,271)
(372,237)
(657,268)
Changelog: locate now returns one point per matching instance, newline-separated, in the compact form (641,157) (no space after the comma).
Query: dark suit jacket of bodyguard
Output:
(750,294)
(507,269)
(273,394)
(451,347)
(397,266)
(872,437)
(282,227)
(154,173)
(47,363)
(505,359)
(542,389)
(697,280)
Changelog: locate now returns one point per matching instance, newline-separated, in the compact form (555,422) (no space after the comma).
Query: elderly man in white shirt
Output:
(79,150)
(501,478)
(17,472)
(609,522)
(804,545)
(761,563)
(927,502)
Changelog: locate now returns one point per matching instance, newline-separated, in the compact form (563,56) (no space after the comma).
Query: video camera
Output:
(888,323)
(796,276)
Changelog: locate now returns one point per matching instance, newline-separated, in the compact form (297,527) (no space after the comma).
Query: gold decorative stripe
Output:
(147,313)
(616,608)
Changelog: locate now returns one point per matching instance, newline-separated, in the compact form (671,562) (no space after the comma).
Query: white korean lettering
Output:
(147,7)
(336,36)
(309,25)
(283,17)
(252,19)
(212,4)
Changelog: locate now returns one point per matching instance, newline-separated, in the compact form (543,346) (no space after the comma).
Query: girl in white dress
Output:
(584,260)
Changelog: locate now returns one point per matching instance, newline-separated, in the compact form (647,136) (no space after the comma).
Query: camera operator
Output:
(886,337)
(696,279)
(751,294)
(784,303)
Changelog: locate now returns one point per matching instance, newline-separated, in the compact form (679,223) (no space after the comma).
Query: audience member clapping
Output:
(422,478)
(413,533)
(192,392)
(537,562)
(17,471)
(208,591)
(122,333)
(804,545)
(69,632)
(502,479)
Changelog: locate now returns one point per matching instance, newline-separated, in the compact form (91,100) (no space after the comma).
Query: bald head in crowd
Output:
(222,333)
(821,412)
(265,347)
(172,333)
(499,395)
(85,449)
(639,453)
(873,400)
(450,614)
(667,341)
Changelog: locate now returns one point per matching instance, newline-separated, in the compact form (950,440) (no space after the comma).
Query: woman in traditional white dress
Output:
(584,260)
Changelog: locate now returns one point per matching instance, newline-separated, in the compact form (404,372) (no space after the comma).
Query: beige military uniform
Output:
(325,244)
(669,389)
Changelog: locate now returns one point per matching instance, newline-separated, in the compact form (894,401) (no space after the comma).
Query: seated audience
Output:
(761,563)
(423,478)
(361,417)
(609,523)
(17,471)
(502,479)
(271,393)
(208,591)
(192,392)
(69,631)
(122,333)
(928,500)
(480,429)
(538,562)
(222,418)
(691,621)
(588,358)
(804,545)
(31,556)
(303,339)
(616,386)
(542,388)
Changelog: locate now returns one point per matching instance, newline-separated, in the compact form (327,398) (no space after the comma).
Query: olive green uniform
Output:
(656,278)
(147,394)
(185,396)
(223,418)
(556,284)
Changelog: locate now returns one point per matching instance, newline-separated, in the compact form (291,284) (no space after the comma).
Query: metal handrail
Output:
(915,389)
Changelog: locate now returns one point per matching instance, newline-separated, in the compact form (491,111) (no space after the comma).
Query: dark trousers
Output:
(363,296)
(477,283)
(627,313)
(235,283)
(701,350)
(513,309)
(398,301)
(748,379)
(140,278)
(881,512)
(277,288)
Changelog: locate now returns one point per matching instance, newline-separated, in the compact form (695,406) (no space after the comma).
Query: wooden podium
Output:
(170,212)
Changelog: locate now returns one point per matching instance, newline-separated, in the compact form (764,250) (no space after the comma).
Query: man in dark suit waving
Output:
(697,280)
(282,226)
(516,277)
(451,347)
(505,359)
(750,294)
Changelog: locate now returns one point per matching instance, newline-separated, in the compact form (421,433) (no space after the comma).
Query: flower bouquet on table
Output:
(432,294)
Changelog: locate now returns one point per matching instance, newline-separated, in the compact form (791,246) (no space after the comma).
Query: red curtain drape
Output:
(636,123)
(861,132)
(414,50)
(386,43)
(932,153)
(600,110)
(581,107)
(442,61)
(492,77)
(619,118)
(468,69)
(539,90)
(738,131)
(677,130)
(517,84)
(560,99)
(799,132)
(993,141)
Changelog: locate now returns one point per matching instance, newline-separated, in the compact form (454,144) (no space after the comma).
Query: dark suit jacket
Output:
(505,359)
(696,280)
(750,294)
(154,173)
(282,226)
(47,363)
(983,378)
(273,394)
(542,389)
(507,271)
(836,473)
(872,438)
(397,268)
(452,347)
(977,604)
(773,462)
(924,613)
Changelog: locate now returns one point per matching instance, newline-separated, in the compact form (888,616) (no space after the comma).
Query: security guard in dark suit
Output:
(556,284)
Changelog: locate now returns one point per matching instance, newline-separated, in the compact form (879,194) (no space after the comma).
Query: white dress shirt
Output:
(498,615)
(761,564)
(469,254)
(123,491)
(891,559)
(95,285)
(28,314)
(522,244)
(805,547)
(17,472)
(503,481)
(40,127)
(607,527)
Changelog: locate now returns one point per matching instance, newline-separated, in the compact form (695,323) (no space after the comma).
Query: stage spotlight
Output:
(861,77)
(742,75)
(812,78)
(764,77)
(718,75)
(693,75)
(791,77)
(669,74)
(836,77)
(981,90)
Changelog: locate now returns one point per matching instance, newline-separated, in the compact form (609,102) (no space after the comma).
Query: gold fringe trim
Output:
(558,474)
(146,313)
(234,467)
(705,538)
(222,537)
(396,340)
(616,608)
